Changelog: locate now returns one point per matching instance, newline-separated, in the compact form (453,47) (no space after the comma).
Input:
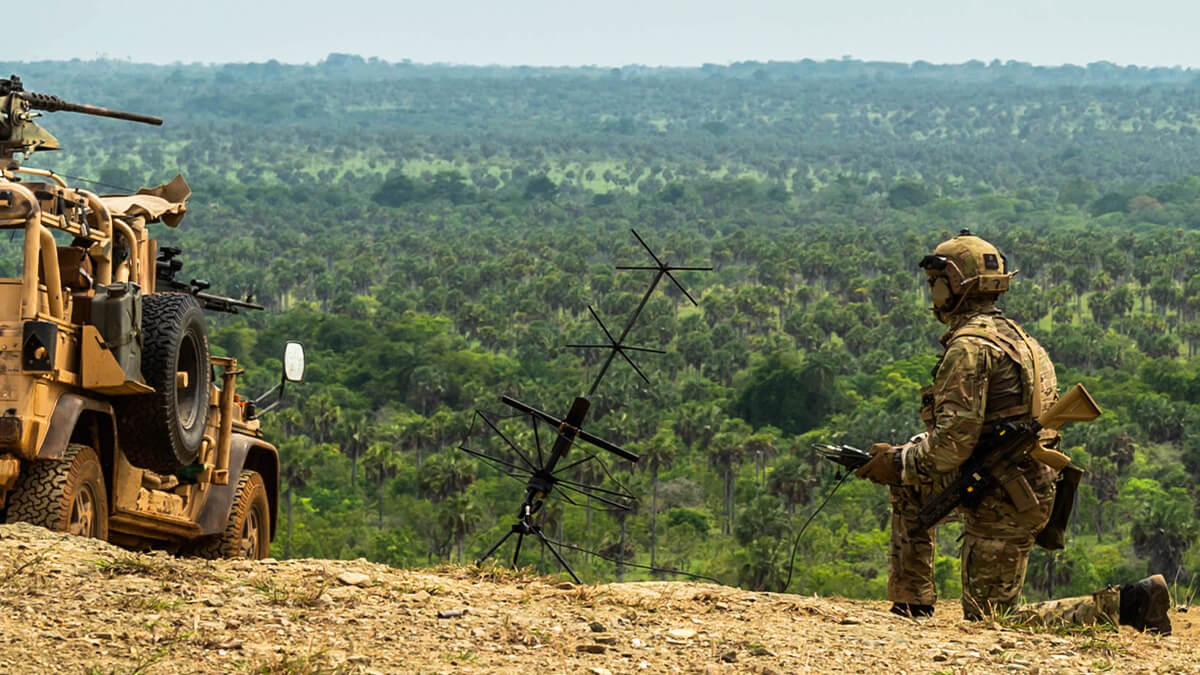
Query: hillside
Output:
(73,605)
(438,237)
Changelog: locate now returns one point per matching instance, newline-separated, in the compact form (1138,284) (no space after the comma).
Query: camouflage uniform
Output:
(991,371)
(1099,607)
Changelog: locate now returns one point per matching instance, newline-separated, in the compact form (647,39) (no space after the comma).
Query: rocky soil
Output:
(69,605)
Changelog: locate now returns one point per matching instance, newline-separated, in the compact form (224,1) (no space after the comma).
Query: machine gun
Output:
(168,265)
(18,131)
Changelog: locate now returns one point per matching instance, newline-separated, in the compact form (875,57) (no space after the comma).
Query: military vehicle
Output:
(116,422)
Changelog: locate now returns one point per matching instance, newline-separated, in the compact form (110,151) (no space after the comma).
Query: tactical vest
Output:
(1038,387)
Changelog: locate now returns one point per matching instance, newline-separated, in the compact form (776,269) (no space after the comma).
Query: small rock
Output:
(682,633)
(849,621)
(1008,643)
(637,644)
(710,668)
(600,671)
(268,561)
(420,596)
(353,578)
(597,627)
(606,639)
(729,657)
(451,613)
(996,649)
(940,656)
(761,651)
(214,601)
(721,605)
(591,649)
(565,586)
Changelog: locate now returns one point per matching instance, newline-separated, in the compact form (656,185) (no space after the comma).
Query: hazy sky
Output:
(616,32)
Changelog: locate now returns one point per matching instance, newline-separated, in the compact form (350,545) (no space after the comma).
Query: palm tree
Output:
(296,458)
(791,481)
(354,435)
(458,516)
(444,475)
(382,460)
(762,445)
(658,452)
(726,452)
(324,413)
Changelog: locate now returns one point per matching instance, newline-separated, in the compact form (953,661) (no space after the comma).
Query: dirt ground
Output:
(69,605)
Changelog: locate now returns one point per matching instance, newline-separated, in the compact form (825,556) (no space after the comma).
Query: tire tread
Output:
(225,545)
(147,421)
(40,495)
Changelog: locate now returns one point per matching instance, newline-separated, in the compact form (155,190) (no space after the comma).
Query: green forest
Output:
(436,234)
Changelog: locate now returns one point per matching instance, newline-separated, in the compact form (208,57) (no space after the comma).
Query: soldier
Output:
(992,370)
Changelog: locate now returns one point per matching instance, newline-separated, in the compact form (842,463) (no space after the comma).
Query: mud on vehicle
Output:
(116,421)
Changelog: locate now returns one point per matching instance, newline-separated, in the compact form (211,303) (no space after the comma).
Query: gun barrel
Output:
(51,103)
(218,303)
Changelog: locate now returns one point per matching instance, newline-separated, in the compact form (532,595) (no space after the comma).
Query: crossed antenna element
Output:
(543,470)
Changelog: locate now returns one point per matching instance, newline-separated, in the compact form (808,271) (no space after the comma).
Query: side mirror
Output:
(293,371)
(293,362)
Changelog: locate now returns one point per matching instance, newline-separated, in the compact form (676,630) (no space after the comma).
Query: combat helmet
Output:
(964,267)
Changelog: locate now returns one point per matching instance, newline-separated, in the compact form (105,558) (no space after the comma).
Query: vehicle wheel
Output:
(64,495)
(162,431)
(248,531)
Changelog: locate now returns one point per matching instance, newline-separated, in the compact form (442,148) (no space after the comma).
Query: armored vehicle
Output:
(115,420)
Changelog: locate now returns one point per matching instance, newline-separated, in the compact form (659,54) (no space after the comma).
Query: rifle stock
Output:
(1076,405)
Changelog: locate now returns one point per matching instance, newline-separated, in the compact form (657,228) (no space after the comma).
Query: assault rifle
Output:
(996,462)
(997,459)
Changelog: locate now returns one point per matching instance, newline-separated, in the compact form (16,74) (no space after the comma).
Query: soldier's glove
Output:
(884,467)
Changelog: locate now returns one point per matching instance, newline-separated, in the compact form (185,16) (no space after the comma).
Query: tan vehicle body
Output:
(61,383)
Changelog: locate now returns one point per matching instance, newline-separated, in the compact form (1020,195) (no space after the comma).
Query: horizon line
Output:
(374,60)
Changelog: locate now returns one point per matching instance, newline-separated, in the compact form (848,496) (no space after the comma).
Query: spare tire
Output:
(163,431)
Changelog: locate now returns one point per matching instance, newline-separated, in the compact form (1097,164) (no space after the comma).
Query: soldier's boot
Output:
(1144,605)
(912,610)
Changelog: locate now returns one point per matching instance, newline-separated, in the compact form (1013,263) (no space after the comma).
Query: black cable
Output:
(93,182)
(796,542)
(632,564)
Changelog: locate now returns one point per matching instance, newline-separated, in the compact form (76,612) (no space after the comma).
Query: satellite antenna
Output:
(544,470)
